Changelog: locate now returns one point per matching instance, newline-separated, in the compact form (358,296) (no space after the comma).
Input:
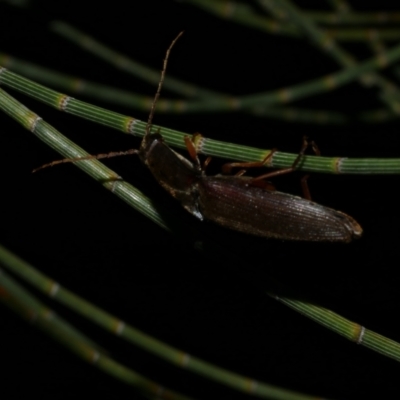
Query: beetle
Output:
(237,202)
(241,203)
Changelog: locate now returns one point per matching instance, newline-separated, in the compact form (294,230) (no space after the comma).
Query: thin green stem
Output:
(354,18)
(245,15)
(125,64)
(375,42)
(120,328)
(342,326)
(287,10)
(132,100)
(30,308)
(335,165)
(214,102)
(98,171)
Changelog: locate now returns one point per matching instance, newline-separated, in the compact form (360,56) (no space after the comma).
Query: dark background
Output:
(212,304)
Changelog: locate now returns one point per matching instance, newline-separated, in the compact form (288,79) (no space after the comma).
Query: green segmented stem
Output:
(350,330)
(30,308)
(124,63)
(245,15)
(129,99)
(342,326)
(117,327)
(330,47)
(226,102)
(351,17)
(74,84)
(98,171)
(375,42)
(214,102)
(175,138)
(309,163)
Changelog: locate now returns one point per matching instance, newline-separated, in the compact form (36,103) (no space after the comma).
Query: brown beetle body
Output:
(236,203)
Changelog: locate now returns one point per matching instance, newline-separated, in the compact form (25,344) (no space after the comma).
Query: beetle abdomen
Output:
(234,203)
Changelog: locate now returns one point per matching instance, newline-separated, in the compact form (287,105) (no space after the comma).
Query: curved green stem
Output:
(120,328)
(126,124)
(30,308)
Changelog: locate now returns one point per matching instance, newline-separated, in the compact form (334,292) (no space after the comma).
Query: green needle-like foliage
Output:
(129,333)
(126,124)
(245,15)
(285,18)
(28,307)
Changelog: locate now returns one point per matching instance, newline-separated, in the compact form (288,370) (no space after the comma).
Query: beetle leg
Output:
(304,180)
(286,170)
(227,168)
(206,162)
(192,151)
(240,173)
(304,184)
(191,148)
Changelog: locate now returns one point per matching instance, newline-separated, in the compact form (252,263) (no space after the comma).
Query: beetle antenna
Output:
(163,71)
(147,131)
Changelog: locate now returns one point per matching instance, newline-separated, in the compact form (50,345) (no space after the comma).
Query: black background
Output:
(212,305)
